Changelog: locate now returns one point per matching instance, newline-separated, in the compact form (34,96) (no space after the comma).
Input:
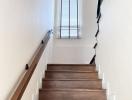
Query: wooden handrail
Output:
(30,67)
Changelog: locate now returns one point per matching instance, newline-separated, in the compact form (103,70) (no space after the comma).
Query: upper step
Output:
(72,84)
(72,94)
(76,67)
(70,75)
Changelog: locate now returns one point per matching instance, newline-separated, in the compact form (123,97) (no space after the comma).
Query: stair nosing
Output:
(70,71)
(93,65)
(73,90)
(72,79)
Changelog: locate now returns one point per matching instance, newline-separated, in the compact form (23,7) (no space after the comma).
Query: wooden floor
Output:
(72,82)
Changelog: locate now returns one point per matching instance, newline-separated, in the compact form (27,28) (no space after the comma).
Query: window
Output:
(69,19)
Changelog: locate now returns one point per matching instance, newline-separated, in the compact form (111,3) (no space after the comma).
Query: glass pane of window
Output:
(65,12)
(65,33)
(73,33)
(69,18)
(73,13)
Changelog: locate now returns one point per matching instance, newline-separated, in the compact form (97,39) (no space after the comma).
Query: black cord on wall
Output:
(98,30)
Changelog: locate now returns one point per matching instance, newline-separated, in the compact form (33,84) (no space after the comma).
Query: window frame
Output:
(69,27)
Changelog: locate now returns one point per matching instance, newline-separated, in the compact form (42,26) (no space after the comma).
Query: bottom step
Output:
(72,94)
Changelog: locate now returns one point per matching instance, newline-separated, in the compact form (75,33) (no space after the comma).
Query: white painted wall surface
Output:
(32,90)
(79,51)
(89,26)
(114,52)
(23,23)
(74,51)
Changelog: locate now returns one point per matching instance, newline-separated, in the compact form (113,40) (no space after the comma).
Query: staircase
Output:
(72,82)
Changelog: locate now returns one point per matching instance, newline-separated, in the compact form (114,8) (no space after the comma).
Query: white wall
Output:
(81,50)
(89,26)
(32,90)
(72,51)
(114,52)
(23,24)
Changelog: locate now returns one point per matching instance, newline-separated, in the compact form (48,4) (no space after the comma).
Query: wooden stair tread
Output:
(73,90)
(71,65)
(70,71)
(62,75)
(72,79)
(73,84)
(72,94)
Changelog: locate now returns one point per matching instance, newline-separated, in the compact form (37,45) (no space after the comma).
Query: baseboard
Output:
(106,84)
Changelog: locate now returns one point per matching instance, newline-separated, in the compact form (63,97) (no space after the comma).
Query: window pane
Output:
(73,13)
(73,33)
(65,12)
(65,33)
(69,13)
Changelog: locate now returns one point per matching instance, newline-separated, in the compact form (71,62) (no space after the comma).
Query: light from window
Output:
(69,20)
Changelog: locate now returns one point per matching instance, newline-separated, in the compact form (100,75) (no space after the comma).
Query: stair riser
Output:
(56,75)
(74,68)
(73,84)
(72,95)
